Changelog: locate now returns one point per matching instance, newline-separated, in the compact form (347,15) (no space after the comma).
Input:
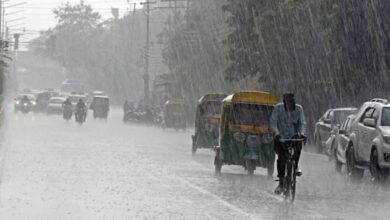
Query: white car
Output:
(369,145)
(330,121)
(55,105)
(338,142)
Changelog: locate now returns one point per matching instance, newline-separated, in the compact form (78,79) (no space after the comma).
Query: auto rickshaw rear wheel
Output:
(250,166)
(194,148)
(270,170)
(217,163)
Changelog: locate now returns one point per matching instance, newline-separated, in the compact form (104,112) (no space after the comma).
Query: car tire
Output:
(217,163)
(250,166)
(377,174)
(352,170)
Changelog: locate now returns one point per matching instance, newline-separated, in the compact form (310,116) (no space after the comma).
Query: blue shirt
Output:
(288,123)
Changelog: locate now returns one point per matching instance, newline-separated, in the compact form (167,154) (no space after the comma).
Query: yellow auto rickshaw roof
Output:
(212,97)
(255,97)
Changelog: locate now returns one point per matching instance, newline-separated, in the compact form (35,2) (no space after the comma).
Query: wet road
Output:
(51,169)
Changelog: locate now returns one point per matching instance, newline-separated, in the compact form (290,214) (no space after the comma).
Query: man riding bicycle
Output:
(287,121)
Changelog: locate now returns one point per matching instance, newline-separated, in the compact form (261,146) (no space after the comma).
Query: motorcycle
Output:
(25,107)
(81,115)
(67,112)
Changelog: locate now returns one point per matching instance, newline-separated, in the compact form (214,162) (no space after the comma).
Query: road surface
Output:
(52,169)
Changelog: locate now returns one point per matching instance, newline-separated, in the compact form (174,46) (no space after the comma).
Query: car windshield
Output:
(386,116)
(340,116)
(252,114)
(211,109)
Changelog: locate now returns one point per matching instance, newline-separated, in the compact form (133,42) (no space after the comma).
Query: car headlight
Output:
(386,139)
(33,103)
(239,137)
(25,104)
(17,102)
(253,141)
(268,138)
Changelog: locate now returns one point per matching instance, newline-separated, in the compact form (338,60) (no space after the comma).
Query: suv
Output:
(332,119)
(369,146)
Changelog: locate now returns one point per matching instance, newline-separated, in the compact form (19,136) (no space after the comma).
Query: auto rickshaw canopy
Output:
(212,97)
(253,97)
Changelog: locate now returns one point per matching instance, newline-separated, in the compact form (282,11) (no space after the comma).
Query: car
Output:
(338,142)
(369,145)
(55,105)
(331,119)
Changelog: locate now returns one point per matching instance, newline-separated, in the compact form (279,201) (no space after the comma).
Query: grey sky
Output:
(39,15)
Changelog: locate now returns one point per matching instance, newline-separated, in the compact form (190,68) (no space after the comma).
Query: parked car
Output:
(369,146)
(338,142)
(329,121)
(55,105)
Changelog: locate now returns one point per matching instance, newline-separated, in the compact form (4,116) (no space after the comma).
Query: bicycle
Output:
(290,182)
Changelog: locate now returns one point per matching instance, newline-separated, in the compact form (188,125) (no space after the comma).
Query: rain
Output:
(194,109)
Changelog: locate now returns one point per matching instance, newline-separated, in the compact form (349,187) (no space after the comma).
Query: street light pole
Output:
(147,48)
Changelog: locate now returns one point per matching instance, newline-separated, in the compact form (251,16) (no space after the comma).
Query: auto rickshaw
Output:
(208,115)
(175,112)
(246,138)
(100,106)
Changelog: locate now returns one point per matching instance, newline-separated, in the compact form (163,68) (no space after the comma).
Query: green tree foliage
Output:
(330,53)
(103,54)
(194,50)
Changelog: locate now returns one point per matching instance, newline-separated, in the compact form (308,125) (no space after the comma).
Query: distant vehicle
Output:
(129,111)
(246,138)
(72,86)
(338,143)
(100,106)
(55,105)
(331,119)
(208,115)
(43,99)
(369,145)
(18,104)
(175,114)
(97,93)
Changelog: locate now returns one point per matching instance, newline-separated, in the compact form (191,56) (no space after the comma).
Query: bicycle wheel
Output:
(293,181)
(287,181)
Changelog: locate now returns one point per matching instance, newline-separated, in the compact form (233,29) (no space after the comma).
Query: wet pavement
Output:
(52,169)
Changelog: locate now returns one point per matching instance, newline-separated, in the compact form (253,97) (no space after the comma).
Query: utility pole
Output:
(1,21)
(147,48)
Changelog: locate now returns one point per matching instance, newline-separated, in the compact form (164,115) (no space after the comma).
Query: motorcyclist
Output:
(25,99)
(287,121)
(126,107)
(67,102)
(80,106)
(67,105)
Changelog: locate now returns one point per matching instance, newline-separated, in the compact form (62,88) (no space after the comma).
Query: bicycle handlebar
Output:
(292,140)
